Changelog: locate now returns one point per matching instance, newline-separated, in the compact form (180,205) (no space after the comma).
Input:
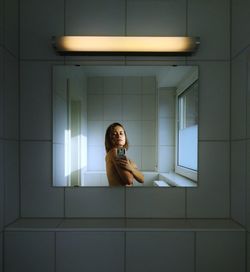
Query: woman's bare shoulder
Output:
(112,153)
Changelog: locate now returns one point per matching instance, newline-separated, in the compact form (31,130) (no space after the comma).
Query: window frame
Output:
(184,85)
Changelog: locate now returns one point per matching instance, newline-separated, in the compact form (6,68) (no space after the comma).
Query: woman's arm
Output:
(132,168)
(125,175)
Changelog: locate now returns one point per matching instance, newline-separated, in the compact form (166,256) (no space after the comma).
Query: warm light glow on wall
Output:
(119,44)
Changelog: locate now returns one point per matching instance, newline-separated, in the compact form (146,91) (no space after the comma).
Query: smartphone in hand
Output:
(121,151)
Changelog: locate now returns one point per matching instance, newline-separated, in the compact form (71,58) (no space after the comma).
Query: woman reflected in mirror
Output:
(121,171)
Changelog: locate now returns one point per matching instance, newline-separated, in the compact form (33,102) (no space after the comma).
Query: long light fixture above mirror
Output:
(126,44)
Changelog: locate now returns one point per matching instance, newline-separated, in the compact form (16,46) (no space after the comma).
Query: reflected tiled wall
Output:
(166,128)
(130,101)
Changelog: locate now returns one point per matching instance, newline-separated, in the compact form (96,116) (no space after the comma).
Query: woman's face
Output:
(118,137)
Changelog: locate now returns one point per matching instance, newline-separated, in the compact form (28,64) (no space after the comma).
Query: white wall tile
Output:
(156,17)
(248,252)
(112,85)
(95,107)
(248,96)
(11,181)
(238,97)
(94,202)
(104,180)
(90,251)
(204,16)
(220,251)
(148,107)
(166,158)
(132,107)
(29,251)
(155,202)
(109,17)
(95,133)
(248,187)
(1,185)
(1,251)
(134,132)
(160,251)
(166,103)
(1,22)
(134,153)
(211,198)
(35,103)
(166,133)
(112,107)
(148,133)
(48,17)
(59,165)
(11,26)
(148,158)
(240,33)
(238,181)
(11,96)
(1,92)
(96,158)
(92,179)
(148,85)
(214,97)
(132,85)
(38,197)
(59,119)
(95,85)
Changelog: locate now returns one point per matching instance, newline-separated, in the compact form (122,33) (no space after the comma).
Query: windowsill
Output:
(176,180)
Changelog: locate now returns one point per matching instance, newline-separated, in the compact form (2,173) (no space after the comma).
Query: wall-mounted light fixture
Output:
(125,44)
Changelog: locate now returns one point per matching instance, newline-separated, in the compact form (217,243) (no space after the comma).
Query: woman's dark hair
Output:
(108,135)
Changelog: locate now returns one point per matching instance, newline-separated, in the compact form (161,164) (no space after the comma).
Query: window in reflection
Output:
(187,129)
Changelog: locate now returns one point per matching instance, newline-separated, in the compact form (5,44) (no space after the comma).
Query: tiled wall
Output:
(240,115)
(221,144)
(127,101)
(63,251)
(9,106)
(207,19)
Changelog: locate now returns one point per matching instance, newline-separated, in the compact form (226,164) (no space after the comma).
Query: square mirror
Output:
(157,109)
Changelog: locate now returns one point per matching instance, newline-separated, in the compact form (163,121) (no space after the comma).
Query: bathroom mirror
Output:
(158,107)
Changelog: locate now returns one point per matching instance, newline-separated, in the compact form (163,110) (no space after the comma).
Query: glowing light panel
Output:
(125,44)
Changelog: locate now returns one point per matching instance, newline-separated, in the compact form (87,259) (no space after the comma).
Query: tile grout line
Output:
(246,160)
(230,111)
(195,251)
(186,62)
(19,111)
(64,202)
(3,151)
(125,251)
(3,249)
(64,63)
(55,251)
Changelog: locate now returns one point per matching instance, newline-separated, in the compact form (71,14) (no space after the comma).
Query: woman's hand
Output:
(125,163)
